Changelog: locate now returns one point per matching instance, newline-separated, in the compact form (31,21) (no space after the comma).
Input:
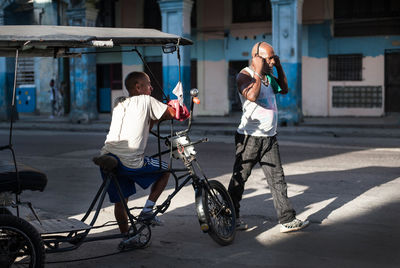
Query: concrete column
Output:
(286,40)
(211,50)
(176,20)
(83,70)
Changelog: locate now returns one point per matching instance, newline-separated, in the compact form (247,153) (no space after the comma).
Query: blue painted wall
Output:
(290,104)
(321,43)
(83,88)
(6,86)
(229,48)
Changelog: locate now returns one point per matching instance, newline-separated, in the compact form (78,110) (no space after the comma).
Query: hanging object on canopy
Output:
(178,92)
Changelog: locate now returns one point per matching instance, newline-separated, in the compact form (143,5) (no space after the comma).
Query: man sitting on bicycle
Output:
(132,119)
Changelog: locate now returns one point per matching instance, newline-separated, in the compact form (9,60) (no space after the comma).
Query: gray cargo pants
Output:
(265,151)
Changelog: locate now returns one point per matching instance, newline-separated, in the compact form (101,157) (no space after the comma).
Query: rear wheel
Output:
(20,243)
(220,213)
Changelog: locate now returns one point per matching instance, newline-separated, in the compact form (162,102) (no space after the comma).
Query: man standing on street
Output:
(255,138)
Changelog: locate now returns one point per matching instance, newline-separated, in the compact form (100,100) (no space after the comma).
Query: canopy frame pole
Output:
(151,73)
(10,146)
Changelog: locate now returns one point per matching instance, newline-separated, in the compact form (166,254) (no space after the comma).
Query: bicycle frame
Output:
(78,238)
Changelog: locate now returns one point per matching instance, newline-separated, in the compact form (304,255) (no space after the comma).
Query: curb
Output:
(227,129)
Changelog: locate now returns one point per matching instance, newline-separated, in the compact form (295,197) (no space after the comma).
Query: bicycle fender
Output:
(200,209)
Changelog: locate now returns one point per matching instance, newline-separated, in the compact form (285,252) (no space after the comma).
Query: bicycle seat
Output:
(106,162)
(30,178)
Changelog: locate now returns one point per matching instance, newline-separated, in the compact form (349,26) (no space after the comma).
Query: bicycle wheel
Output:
(20,243)
(220,213)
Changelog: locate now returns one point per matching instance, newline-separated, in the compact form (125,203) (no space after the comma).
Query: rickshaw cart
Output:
(25,243)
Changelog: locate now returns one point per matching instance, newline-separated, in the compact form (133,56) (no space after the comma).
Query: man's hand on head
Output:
(277,61)
(258,63)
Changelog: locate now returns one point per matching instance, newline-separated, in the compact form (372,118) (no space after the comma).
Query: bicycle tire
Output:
(221,219)
(20,243)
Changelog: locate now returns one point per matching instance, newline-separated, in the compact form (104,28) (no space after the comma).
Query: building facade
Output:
(341,57)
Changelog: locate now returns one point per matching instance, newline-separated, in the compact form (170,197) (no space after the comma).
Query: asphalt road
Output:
(347,187)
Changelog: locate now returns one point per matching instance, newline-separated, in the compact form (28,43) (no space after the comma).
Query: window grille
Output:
(357,96)
(345,67)
(26,71)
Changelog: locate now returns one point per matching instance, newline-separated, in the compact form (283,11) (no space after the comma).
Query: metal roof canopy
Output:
(54,41)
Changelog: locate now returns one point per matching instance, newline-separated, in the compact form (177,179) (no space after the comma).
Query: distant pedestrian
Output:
(56,99)
(255,138)
(53,98)
(60,103)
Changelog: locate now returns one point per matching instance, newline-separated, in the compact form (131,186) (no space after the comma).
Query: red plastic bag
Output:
(181,112)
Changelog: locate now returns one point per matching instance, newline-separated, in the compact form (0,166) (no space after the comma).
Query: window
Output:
(357,97)
(106,14)
(152,15)
(345,67)
(251,11)
(366,17)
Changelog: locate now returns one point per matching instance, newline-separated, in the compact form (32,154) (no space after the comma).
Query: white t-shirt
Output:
(259,118)
(130,126)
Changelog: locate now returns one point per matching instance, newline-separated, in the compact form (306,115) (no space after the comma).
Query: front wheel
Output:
(219,212)
(20,243)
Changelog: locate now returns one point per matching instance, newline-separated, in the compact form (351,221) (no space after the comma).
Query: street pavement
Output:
(343,175)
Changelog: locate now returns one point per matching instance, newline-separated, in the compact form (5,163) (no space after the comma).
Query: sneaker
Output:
(130,243)
(294,225)
(241,225)
(148,217)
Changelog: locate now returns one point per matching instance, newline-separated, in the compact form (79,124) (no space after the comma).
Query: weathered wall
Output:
(317,90)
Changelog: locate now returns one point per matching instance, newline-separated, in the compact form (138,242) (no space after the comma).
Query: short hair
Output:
(132,79)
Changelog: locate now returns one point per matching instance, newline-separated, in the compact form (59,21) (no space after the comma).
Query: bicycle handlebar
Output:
(193,93)
(176,148)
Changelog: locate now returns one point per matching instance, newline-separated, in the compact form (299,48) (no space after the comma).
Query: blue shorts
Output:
(127,177)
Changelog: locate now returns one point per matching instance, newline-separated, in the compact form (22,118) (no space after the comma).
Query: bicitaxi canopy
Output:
(55,41)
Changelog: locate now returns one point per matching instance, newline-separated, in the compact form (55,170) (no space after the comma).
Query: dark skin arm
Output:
(282,80)
(248,86)
(168,114)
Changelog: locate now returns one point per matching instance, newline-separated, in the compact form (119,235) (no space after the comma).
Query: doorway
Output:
(392,81)
(109,78)
(234,68)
